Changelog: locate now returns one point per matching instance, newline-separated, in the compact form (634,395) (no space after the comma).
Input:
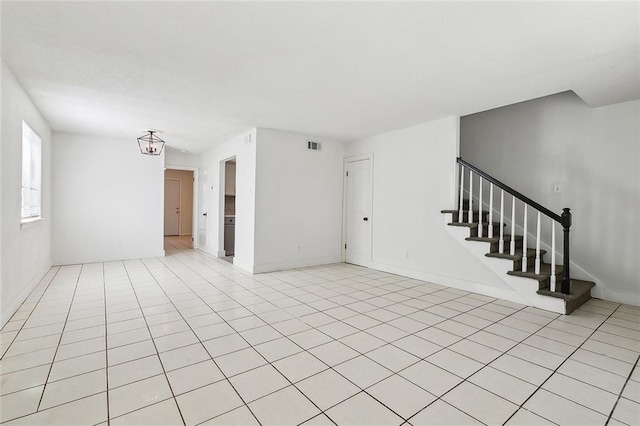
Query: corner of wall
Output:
(25,253)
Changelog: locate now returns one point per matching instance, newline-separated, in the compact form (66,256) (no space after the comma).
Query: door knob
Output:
(365,219)
(204,214)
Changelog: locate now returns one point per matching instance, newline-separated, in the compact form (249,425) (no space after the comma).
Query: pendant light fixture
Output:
(150,143)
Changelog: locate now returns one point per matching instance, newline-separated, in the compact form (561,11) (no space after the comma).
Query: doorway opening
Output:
(229,209)
(178,208)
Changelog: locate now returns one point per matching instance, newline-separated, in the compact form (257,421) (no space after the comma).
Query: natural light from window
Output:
(31,174)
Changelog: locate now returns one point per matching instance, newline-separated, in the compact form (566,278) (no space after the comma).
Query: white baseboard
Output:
(12,308)
(292,264)
(460,284)
(245,266)
(621,296)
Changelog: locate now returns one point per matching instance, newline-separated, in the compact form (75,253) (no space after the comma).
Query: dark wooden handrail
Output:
(512,191)
(564,219)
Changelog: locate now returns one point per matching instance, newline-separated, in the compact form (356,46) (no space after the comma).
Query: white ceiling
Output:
(205,71)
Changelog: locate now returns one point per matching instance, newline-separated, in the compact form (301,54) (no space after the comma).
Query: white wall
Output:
(25,254)
(173,157)
(298,201)
(108,200)
(414,178)
(594,155)
(211,196)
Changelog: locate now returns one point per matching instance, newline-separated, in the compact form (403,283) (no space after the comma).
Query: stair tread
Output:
(578,288)
(545,272)
(494,239)
(517,256)
(472,224)
(464,211)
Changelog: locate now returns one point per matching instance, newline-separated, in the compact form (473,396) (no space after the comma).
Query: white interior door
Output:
(358,211)
(171,207)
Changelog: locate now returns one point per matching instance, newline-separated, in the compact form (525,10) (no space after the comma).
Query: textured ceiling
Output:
(205,71)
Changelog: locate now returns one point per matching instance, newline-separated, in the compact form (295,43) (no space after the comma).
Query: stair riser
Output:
(485,231)
(496,246)
(465,216)
(531,263)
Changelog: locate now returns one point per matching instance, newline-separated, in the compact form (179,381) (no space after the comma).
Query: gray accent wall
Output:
(594,154)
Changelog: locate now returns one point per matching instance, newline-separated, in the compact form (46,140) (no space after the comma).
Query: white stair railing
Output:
(524,241)
(552,278)
(480,233)
(536,268)
(490,234)
(470,196)
(512,245)
(564,220)
(501,243)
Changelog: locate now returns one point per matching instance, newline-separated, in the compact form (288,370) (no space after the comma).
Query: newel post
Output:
(565,286)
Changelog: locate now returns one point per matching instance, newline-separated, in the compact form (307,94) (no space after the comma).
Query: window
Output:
(31,174)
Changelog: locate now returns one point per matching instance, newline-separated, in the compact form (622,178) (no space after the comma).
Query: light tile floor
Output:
(189,339)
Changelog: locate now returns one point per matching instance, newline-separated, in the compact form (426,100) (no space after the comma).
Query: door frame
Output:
(221,201)
(179,203)
(196,204)
(368,156)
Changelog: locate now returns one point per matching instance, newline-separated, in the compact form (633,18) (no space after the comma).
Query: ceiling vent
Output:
(313,145)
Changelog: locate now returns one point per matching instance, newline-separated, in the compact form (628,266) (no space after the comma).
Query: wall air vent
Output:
(313,145)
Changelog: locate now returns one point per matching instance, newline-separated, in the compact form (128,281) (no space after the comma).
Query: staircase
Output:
(508,254)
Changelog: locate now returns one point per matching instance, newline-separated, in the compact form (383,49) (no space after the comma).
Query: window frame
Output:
(31,175)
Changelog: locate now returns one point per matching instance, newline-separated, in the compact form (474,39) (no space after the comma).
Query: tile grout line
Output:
(555,371)
(252,347)
(106,343)
(199,341)
(351,286)
(615,404)
(30,313)
(530,333)
(135,294)
(391,343)
(464,380)
(44,389)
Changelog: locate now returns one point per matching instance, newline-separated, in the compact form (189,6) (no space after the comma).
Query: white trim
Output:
(292,264)
(245,266)
(620,296)
(196,204)
(9,310)
(222,200)
(28,223)
(458,283)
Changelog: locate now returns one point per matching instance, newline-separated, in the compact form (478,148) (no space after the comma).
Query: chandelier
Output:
(150,143)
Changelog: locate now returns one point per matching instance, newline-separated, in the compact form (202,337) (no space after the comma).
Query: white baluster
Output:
(461,208)
(470,196)
(537,265)
(552,279)
(524,241)
(501,243)
(512,246)
(480,211)
(491,211)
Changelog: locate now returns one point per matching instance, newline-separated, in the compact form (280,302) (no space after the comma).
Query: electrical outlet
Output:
(557,189)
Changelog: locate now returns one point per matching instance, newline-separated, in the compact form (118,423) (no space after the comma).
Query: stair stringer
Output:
(524,289)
